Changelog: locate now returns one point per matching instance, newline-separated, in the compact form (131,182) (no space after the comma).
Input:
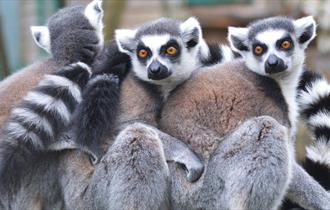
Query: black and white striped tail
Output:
(212,54)
(45,112)
(314,104)
(96,114)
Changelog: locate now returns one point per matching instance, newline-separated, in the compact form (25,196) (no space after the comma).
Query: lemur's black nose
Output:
(158,71)
(154,67)
(272,60)
(274,65)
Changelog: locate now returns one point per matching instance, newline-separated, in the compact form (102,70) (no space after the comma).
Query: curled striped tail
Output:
(314,104)
(35,125)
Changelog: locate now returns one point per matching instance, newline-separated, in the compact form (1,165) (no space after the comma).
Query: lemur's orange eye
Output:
(286,45)
(171,50)
(258,50)
(143,53)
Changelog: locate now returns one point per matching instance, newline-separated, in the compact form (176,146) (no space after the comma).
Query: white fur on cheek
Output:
(187,65)
(140,70)
(253,64)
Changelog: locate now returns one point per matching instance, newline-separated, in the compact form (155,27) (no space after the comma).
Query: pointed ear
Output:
(305,30)
(125,39)
(41,36)
(191,32)
(237,38)
(94,14)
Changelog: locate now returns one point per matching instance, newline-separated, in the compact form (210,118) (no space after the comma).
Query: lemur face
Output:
(273,46)
(67,21)
(163,51)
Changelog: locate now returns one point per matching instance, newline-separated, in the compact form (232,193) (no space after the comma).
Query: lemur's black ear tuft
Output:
(41,37)
(191,32)
(305,29)
(237,38)
(125,39)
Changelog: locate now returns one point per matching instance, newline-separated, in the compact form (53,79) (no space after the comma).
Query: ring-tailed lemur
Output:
(36,124)
(164,53)
(274,47)
(71,35)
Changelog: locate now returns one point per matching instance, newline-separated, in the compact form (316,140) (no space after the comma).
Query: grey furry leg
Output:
(250,169)
(135,173)
(178,152)
(305,191)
